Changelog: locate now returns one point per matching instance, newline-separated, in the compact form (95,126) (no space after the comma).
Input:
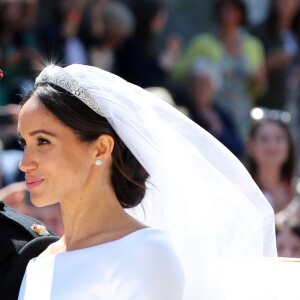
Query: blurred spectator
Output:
(137,59)
(58,32)
(204,82)
(16,196)
(288,241)
(92,27)
(240,58)
(171,52)
(291,213)
(8,126)
(18,55)
(280,35)
(50,215)
(118,23)
(9,171)
(164,94)
(74,49)
(271,160)
(10,151)
(49,30)
(288,231)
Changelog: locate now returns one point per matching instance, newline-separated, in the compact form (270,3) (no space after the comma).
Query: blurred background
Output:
(232,66)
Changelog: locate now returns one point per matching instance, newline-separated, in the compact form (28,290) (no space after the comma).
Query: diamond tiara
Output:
(58,76)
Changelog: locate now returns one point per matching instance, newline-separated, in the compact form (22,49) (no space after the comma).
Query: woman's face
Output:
(287,8)
(269,147)
(230,15)
(13,13)
(159,21)
(56,164)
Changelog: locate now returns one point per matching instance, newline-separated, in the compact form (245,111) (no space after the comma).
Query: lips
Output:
(32,183)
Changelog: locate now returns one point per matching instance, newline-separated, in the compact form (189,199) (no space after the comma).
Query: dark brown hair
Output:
(288,168)
(239,4)
(144,12)
(128,176)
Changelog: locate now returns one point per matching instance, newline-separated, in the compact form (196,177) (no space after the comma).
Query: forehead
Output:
(34,114)
(32,105)
(270,127)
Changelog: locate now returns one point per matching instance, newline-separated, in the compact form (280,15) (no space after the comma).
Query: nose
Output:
(27,164)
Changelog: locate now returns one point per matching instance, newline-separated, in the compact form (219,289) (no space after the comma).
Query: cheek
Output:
(259,150)
(283,150)
(72,169)
(271,150)
(66,176)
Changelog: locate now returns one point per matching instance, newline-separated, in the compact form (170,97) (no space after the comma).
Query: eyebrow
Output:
(35,132)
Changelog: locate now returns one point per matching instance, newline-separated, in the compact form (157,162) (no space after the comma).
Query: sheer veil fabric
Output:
(197,191)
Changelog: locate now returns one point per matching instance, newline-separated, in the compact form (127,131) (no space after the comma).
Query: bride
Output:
(153,206)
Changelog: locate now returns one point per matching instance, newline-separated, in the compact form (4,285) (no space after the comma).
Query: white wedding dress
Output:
(139,266)
(219,222)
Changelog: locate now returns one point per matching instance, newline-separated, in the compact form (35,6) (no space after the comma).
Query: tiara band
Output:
(58,76)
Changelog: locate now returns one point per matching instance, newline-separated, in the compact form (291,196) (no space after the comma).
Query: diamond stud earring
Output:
(98,162)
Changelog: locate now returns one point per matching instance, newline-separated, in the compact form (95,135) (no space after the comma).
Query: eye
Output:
(42,141)
(22,143)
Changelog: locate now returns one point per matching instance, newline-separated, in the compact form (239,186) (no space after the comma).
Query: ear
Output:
(104,146)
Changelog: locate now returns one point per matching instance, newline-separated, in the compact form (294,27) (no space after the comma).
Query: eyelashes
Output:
(22,143)
(40,142)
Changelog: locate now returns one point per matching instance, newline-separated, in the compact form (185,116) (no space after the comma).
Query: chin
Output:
(40,201)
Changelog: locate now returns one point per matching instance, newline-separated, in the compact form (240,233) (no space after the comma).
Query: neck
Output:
(228,32)
(93,218)
(269,177)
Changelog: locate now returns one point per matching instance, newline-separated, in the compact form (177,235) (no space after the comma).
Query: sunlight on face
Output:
(56,164)
(270,145)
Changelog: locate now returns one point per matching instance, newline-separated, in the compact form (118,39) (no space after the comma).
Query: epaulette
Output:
(32,226)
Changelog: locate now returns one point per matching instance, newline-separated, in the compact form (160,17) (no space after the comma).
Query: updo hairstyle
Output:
(128,176)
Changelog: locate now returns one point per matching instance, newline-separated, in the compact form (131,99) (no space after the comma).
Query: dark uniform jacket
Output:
(21,238)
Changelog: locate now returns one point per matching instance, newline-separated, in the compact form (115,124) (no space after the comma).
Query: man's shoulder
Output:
(22,238)
(23,224)
(19,231)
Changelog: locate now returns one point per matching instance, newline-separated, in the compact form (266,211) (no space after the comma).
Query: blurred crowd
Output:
(238,81)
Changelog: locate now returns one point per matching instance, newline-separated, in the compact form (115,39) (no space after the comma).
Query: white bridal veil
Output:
(198,191)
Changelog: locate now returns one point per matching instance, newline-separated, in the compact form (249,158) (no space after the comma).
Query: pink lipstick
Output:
(32,183)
